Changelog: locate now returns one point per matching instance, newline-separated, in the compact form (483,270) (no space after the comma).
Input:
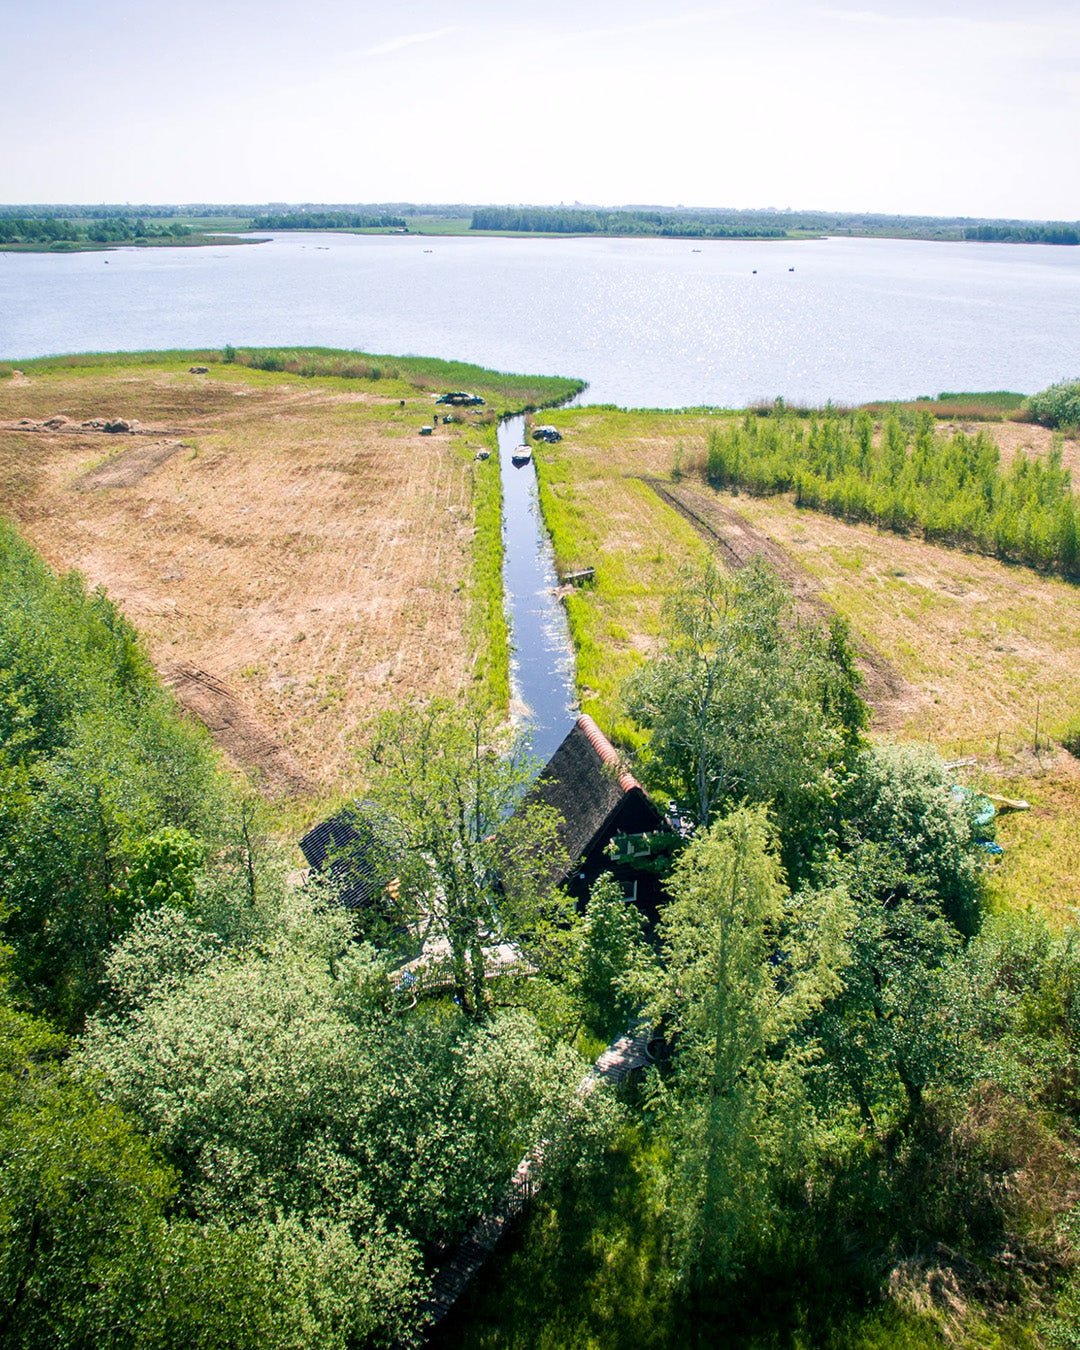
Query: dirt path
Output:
(236,730)
(737,542)
(127,469)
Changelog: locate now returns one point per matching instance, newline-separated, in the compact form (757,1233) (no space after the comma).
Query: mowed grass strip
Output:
(598,517)
(306,545)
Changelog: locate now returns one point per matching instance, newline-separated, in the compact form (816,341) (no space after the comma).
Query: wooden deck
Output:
(623,1055)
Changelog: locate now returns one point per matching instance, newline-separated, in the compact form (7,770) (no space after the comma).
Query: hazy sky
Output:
(884,105)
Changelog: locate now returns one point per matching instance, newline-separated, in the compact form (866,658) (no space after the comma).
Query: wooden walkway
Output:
(623,1055)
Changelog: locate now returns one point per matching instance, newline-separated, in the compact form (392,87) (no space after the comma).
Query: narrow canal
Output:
(542,660)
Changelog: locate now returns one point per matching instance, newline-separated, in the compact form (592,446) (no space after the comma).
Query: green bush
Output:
(1058,406)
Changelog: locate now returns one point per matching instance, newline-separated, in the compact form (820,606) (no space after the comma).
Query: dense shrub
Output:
(1058,406)
(910,477)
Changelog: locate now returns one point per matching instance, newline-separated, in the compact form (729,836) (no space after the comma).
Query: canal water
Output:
(543,701)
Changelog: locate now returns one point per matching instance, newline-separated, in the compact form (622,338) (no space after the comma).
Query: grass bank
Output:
(599,517)
(489,632)
(504,392)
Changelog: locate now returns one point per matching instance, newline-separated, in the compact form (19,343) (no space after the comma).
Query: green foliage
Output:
(746,964)
(426,373)
(1058,406)
(290,1096)
(1021,232)
(106,793)
(92,1254)
(612,950)
(327,220)
(953,490)
(487,614)
(899,796)
(162,869)
(54,232)
(742,706)
(474,870)
(705,225)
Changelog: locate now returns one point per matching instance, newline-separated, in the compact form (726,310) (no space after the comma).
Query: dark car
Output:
(460,399)
(546,433)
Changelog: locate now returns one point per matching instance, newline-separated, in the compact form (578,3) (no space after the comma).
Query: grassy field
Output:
(984,649)
(293,538)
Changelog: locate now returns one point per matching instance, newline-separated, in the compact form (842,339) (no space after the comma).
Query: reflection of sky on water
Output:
(648,322)
(541,670)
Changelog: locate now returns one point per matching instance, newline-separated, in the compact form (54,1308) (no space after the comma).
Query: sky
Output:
(958,107)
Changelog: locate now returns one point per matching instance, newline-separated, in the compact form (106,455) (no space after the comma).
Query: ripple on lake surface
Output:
(652,322)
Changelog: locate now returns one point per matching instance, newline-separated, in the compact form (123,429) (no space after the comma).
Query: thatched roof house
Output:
(585,782)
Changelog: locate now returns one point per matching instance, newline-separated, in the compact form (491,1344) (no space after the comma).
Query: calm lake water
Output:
(649,323)
(542,663)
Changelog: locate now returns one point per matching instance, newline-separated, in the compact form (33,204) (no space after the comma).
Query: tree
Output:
(477,868)
(747,964)
(904,1021)
(743,705)
(297,1104)
(92,1253)
(900,796)
(611,954)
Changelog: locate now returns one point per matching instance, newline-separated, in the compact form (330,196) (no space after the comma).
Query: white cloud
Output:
(408,40)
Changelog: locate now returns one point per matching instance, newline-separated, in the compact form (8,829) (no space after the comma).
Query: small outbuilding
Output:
(353,853)
(609,822)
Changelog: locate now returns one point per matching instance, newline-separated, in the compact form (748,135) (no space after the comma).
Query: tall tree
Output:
(476,868)
(746,965)
(745,705)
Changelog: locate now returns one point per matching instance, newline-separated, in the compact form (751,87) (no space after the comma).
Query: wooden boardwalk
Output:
(623,1055)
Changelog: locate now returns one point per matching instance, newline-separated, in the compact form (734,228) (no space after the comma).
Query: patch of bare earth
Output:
(128,468)
(236,729)
(1027,438)
(305,553)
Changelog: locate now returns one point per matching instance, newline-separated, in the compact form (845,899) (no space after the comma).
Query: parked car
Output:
(545,433)
(460,399)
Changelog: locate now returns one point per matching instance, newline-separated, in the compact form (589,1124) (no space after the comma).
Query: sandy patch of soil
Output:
(236,730)
(305,548)
(1011,437)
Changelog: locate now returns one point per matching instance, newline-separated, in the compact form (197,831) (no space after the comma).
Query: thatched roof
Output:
(585,782)
(351,849)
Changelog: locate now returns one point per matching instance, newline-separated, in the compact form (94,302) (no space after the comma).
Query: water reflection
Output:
(542,664)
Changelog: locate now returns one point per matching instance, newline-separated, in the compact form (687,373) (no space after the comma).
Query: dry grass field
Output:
(974,650)
(295,555)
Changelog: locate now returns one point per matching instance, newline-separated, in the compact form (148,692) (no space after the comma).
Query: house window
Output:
(630,890)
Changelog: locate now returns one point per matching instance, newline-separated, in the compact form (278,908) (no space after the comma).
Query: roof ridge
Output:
(607,752)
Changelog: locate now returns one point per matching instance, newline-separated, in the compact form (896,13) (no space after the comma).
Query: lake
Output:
(648,322)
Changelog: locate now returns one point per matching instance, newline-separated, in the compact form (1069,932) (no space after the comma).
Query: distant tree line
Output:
(109,230)
(560,221)
(326,220)
(910,477)
(1024,234)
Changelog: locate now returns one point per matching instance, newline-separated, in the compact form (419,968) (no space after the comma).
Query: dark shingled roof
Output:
(350,848)
(585,783)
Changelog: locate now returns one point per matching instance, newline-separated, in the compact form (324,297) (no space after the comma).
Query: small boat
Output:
(521,456)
